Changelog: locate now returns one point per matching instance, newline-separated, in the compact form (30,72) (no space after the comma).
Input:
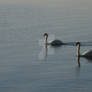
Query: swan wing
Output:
(87,53)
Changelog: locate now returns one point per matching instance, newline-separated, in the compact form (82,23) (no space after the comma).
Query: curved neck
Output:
(78,50)
(45,40)
(78,54)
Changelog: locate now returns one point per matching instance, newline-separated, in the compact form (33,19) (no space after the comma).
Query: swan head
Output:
(77,43)
(45,35)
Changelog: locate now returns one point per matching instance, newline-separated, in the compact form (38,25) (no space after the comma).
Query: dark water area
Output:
(23,66)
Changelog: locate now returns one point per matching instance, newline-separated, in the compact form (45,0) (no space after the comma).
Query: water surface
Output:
(21,69)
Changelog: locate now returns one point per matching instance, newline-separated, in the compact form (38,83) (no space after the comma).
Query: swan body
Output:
(53,42)
(86,54)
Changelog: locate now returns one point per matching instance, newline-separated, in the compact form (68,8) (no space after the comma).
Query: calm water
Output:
(21,68)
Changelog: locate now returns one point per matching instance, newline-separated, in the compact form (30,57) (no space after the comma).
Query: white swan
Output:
(53,42)
(86,54)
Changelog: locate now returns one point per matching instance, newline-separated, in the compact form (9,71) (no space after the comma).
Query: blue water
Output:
(21,68)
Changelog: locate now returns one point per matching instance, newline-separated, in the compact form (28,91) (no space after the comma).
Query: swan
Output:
(53,42)
(86,54)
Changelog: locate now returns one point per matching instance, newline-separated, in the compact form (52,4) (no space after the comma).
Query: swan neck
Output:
(45,41)
(78,50)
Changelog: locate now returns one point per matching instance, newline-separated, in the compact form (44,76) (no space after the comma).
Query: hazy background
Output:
(75,3)
(78,5)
